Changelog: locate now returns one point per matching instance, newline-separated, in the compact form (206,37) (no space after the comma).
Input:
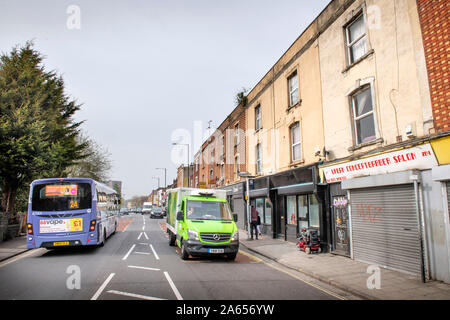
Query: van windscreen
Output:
(207,210)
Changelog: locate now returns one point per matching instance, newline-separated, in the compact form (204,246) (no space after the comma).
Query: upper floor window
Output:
(236,134)
(363,116)
(293,89)
(236,166)
(356,39)
(296,151)
(258,158)
(258,117)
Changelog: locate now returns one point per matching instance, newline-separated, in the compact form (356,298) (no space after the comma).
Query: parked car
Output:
(156,213)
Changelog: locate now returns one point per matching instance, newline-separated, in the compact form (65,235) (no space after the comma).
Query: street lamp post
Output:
(158,180)
(247,176)
(185,144)
(165,176)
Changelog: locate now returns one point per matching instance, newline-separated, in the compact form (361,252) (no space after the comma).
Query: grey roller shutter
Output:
(385,227)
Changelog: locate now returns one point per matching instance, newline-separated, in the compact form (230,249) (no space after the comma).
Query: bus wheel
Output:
(104,239)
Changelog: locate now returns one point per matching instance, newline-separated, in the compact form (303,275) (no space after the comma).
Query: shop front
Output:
(299,203)
(382,206)
(259,197)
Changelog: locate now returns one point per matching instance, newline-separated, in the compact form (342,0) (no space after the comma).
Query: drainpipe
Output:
(415,178)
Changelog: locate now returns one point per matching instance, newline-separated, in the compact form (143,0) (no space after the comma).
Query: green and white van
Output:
(201,223)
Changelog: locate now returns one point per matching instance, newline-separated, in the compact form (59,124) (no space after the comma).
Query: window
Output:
(236,166)
(258,117)
(211,175)
(303,211)
(223,146)
(236,134)
(258,158)
(363,116)
(222,171)
(356,39)
(293,89)
(296,151)
(212,154)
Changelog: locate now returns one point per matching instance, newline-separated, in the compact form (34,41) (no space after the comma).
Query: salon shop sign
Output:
(420,157)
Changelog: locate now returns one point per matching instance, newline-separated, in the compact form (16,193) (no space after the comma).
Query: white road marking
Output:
(142,252)
(172,285)
(133,295)
(129,252)
(143,227)
(102,287)
(144,268)
(154,252)
(140,235)
(146,237)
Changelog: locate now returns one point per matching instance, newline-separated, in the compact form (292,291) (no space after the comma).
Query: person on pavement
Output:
(253,222)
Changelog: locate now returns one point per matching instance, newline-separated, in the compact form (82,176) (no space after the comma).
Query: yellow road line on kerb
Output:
(307,282)
(294,276)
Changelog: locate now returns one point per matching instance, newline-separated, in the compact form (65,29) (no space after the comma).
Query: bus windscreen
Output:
(61,196)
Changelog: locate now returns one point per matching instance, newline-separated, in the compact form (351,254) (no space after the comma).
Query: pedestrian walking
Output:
(258,225)
(253,222)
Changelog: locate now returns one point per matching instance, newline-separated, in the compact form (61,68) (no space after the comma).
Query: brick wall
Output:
(434,16)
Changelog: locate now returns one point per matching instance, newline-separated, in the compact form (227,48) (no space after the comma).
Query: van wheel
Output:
(172,239)
(231,256)
(184,253)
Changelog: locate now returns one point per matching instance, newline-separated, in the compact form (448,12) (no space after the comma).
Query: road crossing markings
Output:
(102,287)
(172,285)
(154,252)
(144,268)
(133,295)
(129,252)
(141,252)
(140,235)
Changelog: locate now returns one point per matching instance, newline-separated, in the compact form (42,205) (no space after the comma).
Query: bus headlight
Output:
(192,235)
(235,236)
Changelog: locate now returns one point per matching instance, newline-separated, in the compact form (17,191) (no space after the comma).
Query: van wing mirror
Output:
(180,216)
(235,217)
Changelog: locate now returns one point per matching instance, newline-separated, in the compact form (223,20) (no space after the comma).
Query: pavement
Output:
(342,272)
(347,274)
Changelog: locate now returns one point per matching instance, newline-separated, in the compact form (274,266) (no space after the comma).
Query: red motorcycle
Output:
(308,240)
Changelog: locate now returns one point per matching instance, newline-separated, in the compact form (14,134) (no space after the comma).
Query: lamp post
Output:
(247,176)
(158,180)
(165,176)
(185,144)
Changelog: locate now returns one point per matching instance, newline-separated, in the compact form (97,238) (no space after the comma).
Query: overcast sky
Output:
(144,69)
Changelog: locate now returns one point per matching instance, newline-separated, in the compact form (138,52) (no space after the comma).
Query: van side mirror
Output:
(180,216)
(235,217)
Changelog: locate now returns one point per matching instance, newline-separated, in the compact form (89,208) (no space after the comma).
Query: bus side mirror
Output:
(180,216)
(235,217)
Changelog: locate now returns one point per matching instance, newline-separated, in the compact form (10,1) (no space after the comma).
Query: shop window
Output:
(314,210)
(302,211)
(268,212)
(363,116)
(291,208)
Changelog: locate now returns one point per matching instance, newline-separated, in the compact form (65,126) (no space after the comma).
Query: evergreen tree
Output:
(37,132)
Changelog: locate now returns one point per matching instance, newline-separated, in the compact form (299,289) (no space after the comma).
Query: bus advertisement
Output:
(66,212)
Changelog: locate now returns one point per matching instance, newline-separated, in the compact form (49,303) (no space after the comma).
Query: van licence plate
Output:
(216,250)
